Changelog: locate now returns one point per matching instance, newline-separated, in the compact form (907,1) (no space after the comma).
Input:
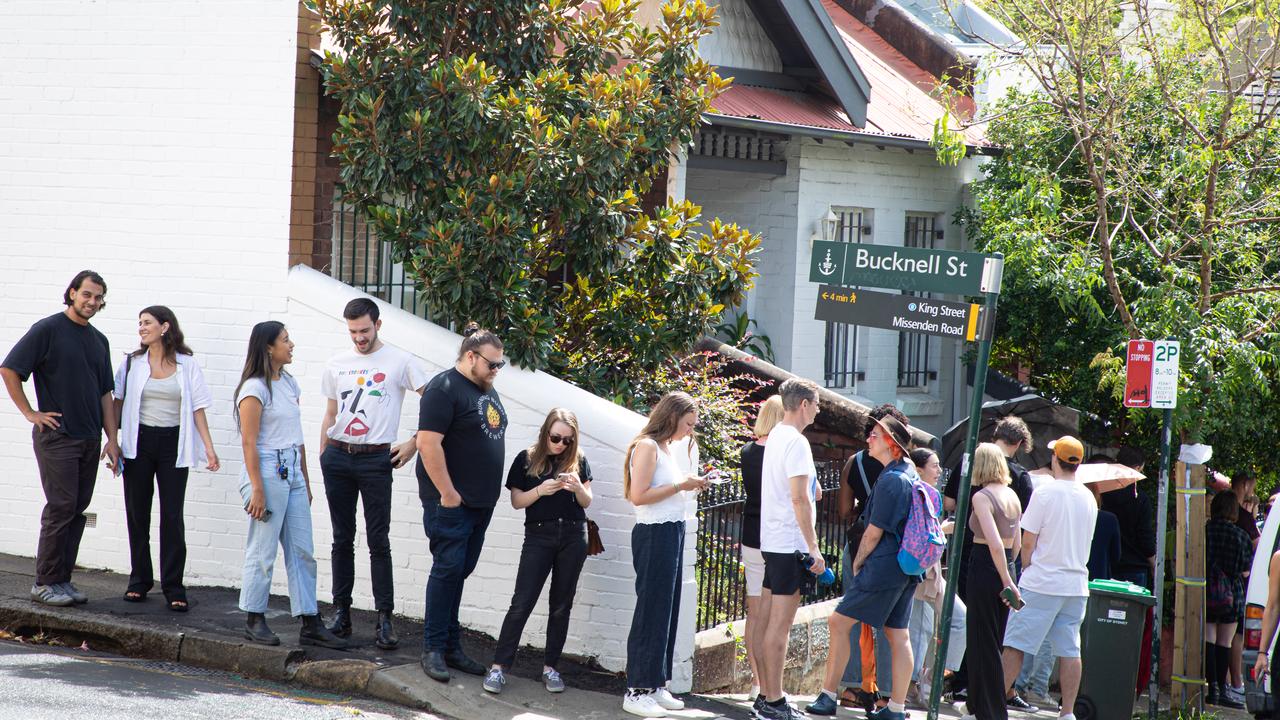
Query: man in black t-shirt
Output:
(72,366)
(461,431)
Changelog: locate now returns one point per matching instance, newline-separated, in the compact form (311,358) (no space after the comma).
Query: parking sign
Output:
(1164,374)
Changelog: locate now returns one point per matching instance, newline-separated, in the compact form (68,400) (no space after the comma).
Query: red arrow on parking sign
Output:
(1138,363)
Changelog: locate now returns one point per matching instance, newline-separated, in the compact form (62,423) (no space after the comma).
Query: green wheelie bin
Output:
(1110,649)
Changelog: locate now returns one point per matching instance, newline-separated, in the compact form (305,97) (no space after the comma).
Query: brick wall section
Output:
(326,184)
(302,208)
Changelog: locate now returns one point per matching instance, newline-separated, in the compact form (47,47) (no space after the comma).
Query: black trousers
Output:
(984,630)
(365,477)
(558,549)
(153,469)
(68,471)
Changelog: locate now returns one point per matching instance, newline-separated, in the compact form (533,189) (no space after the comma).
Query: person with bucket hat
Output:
(1057,532)
(881,593)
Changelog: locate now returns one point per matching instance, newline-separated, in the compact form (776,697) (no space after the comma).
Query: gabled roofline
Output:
(823,44)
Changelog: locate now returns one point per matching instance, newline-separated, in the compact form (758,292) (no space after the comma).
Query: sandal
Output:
(178,605)
(134,596)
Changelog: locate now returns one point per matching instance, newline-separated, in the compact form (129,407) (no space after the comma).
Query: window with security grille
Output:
(913,348)
(840,361)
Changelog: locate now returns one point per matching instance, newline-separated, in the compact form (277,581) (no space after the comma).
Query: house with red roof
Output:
(825,134)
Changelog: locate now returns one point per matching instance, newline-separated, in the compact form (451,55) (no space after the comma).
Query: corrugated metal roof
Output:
(903,103)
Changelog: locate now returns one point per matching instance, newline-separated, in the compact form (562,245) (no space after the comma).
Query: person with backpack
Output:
(882,588)
(1228,554)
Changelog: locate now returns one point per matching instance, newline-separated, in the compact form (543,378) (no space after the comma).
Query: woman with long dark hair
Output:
(551,482)
(653,482)
(160,397)
(276,489)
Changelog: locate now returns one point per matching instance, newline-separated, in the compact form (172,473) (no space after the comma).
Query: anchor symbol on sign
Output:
(827,267)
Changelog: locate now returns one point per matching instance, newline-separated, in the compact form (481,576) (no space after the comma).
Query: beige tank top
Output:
(1006,526)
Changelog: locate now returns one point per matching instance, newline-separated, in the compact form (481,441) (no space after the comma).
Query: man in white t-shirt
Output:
(786,533)
(364,388)
(1057,530)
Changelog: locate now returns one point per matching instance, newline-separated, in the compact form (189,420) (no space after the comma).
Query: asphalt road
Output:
(43,683)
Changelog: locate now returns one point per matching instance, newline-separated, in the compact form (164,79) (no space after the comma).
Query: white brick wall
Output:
(152,142)
(889,183)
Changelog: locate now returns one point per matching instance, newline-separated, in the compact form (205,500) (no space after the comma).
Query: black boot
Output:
(314,632)
(1211,673)
(341,623)
(384,635)
(256,630)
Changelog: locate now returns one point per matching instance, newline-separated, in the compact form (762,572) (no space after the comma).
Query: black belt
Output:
(353,449)
(557,521)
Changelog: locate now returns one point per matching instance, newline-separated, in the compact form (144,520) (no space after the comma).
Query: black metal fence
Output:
(363,261)
(722,595)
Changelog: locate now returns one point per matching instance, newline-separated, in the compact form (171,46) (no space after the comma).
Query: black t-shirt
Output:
(72,365)
(1248,523)
(872,468)
(752,463)
(560,505)
(474,425)
(1133,511)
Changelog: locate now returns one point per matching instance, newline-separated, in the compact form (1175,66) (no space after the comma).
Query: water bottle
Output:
(826,578)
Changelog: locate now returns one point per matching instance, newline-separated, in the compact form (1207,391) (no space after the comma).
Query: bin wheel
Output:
(1085,709)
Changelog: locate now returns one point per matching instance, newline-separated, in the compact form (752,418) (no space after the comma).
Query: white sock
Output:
(830,694)
(897,706)
(1068,716)
(755,690)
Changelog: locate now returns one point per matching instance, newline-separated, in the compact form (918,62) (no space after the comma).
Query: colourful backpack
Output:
(922,540)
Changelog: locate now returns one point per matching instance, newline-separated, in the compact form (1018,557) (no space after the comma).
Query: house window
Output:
(913,348)
(840,361)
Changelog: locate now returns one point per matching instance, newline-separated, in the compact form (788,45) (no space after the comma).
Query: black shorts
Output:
(784,573)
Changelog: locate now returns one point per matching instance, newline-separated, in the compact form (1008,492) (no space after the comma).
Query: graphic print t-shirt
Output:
(474,425)
(369,390)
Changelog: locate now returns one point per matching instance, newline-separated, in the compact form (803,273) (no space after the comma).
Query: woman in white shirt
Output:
(160,396)
(655,485)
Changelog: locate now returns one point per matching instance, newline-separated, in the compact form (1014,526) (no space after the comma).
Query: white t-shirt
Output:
(786,455)
(369,390)
(1062,515)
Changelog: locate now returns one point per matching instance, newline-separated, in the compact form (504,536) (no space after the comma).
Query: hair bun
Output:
(471,329)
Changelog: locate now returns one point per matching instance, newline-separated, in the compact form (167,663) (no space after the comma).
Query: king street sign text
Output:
(904,268)
(962,321)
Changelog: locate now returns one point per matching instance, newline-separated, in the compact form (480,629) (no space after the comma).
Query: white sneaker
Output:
(667,700)
(1235,693)
(642,704)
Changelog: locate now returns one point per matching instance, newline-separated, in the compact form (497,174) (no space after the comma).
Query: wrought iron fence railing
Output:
(363,261)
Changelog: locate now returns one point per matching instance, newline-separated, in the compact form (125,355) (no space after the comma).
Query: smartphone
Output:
(1014,601)
(717,477)
(266,514)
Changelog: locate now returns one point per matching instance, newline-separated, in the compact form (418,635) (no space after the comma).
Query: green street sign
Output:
(904,268)
(961,321)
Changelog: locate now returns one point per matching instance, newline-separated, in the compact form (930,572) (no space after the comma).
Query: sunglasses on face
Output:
(498,365)
(557,439)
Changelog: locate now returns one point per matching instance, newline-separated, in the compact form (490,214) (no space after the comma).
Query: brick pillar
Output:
(306,107)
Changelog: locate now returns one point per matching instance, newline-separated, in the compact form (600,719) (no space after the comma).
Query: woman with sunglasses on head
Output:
(275,489)
(551,482)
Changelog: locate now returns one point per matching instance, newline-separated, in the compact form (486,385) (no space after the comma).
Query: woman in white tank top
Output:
(655,485)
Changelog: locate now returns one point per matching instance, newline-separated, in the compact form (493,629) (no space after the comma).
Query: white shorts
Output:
(753,561)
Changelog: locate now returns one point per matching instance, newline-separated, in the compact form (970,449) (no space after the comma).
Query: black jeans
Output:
(367,478)
(456,537)
(153,467)
(68,471)
(984,630)
(657,552)
(557,548)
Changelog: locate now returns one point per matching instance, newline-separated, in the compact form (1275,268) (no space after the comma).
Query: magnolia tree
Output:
(1138,195)
(503,147)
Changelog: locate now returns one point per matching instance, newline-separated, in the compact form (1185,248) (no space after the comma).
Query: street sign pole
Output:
(1162,520)
(943,629)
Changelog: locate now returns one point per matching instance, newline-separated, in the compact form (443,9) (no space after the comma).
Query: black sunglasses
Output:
(493,365)
(559,438)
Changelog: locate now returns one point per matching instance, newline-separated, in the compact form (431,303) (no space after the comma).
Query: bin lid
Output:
(1121,589)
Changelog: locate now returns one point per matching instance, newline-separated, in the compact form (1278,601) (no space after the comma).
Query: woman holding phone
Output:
(160,397)
(276,489)
(994,518)
(551,482)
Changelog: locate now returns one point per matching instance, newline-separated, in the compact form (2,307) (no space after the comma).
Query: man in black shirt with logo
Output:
(461,430)
(72,367)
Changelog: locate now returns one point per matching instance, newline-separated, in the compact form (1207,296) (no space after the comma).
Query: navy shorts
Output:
(889,608)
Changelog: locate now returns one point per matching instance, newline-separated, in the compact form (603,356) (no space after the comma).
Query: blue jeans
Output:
(657,552)
(1036,669)
(289,527)
(852,677)
(456,536)
(923,622)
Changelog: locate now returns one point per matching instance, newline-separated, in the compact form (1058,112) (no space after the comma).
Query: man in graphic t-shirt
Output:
(461,430)
(364,389)
(72,367)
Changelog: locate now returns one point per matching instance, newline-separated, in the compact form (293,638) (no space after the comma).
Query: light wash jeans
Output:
(852,677)
(289,528)
(1036,670)
(923,621)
